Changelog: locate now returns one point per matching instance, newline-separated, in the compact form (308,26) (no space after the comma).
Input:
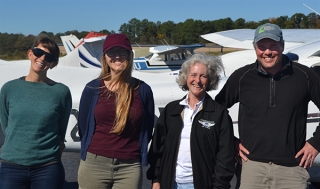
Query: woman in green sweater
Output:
(34,114)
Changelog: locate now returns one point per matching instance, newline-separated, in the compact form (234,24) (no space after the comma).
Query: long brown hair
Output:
(125,85)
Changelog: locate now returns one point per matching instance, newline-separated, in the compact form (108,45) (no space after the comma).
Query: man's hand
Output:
(156,185)
(240,151)
(308,153)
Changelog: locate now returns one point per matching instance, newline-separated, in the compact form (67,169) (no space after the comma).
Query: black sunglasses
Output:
(48,56)
(120,52)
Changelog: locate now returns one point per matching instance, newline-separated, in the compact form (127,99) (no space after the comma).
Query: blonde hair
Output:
(125,85)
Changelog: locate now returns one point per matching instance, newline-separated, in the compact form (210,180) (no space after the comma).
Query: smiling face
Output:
(269,54)
(118,61)
(39,63)
(197,80)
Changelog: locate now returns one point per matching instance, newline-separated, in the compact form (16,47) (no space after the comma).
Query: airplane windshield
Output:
(175,56)
(149,56)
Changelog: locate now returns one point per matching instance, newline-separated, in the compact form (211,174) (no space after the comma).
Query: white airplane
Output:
(163,85)
(301,45)
(76,78)
(164,58)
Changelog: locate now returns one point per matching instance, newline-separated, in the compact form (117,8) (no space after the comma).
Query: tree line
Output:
(15,46)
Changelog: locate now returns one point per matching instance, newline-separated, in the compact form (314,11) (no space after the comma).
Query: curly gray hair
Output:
(214,67)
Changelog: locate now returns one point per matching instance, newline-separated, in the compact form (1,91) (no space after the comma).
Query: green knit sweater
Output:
(34,118)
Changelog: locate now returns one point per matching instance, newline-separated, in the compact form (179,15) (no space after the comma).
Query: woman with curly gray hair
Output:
(192,145)
(213,66)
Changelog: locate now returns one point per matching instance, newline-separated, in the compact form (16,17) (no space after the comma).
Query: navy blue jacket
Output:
(86,120)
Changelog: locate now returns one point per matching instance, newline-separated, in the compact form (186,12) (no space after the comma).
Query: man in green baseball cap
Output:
(273,95)
(270,31)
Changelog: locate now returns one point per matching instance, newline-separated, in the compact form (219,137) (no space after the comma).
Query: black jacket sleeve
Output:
(225,162)
(229,94)
(156,148)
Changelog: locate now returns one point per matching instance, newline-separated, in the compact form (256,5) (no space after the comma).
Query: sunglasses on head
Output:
(120,52)
(48,56)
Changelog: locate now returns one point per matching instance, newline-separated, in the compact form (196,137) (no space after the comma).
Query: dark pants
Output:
(20,177)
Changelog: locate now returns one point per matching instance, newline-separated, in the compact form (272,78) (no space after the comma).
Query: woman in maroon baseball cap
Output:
(115,121)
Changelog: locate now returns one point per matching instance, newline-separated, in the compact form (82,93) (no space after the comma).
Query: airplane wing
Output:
(243,38)
(301,45)
(162,49)
(240,38)
(167,49)
(192,47)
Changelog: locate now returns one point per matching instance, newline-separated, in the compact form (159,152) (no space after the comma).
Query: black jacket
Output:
(212,148)
(273,110)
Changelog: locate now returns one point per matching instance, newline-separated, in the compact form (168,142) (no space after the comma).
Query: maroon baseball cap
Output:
(114,40)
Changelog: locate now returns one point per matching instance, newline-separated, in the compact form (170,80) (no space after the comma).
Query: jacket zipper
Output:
(178,150)
(190,140)
(193,127)
(272,102)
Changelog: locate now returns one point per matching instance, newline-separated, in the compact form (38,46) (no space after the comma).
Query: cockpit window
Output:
(149,56)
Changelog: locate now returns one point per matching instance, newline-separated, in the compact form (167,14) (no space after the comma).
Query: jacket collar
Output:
(286,69)
(207,105)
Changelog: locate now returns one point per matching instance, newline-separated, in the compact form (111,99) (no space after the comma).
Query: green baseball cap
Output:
(268,30)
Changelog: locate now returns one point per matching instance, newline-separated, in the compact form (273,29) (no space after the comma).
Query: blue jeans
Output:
(183,185)
(21,177)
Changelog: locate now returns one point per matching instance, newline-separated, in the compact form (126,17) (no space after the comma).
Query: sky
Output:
(59,16)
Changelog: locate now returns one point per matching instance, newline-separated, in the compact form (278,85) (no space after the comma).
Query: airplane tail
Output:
(84,56)
(84,52)
(69,42)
